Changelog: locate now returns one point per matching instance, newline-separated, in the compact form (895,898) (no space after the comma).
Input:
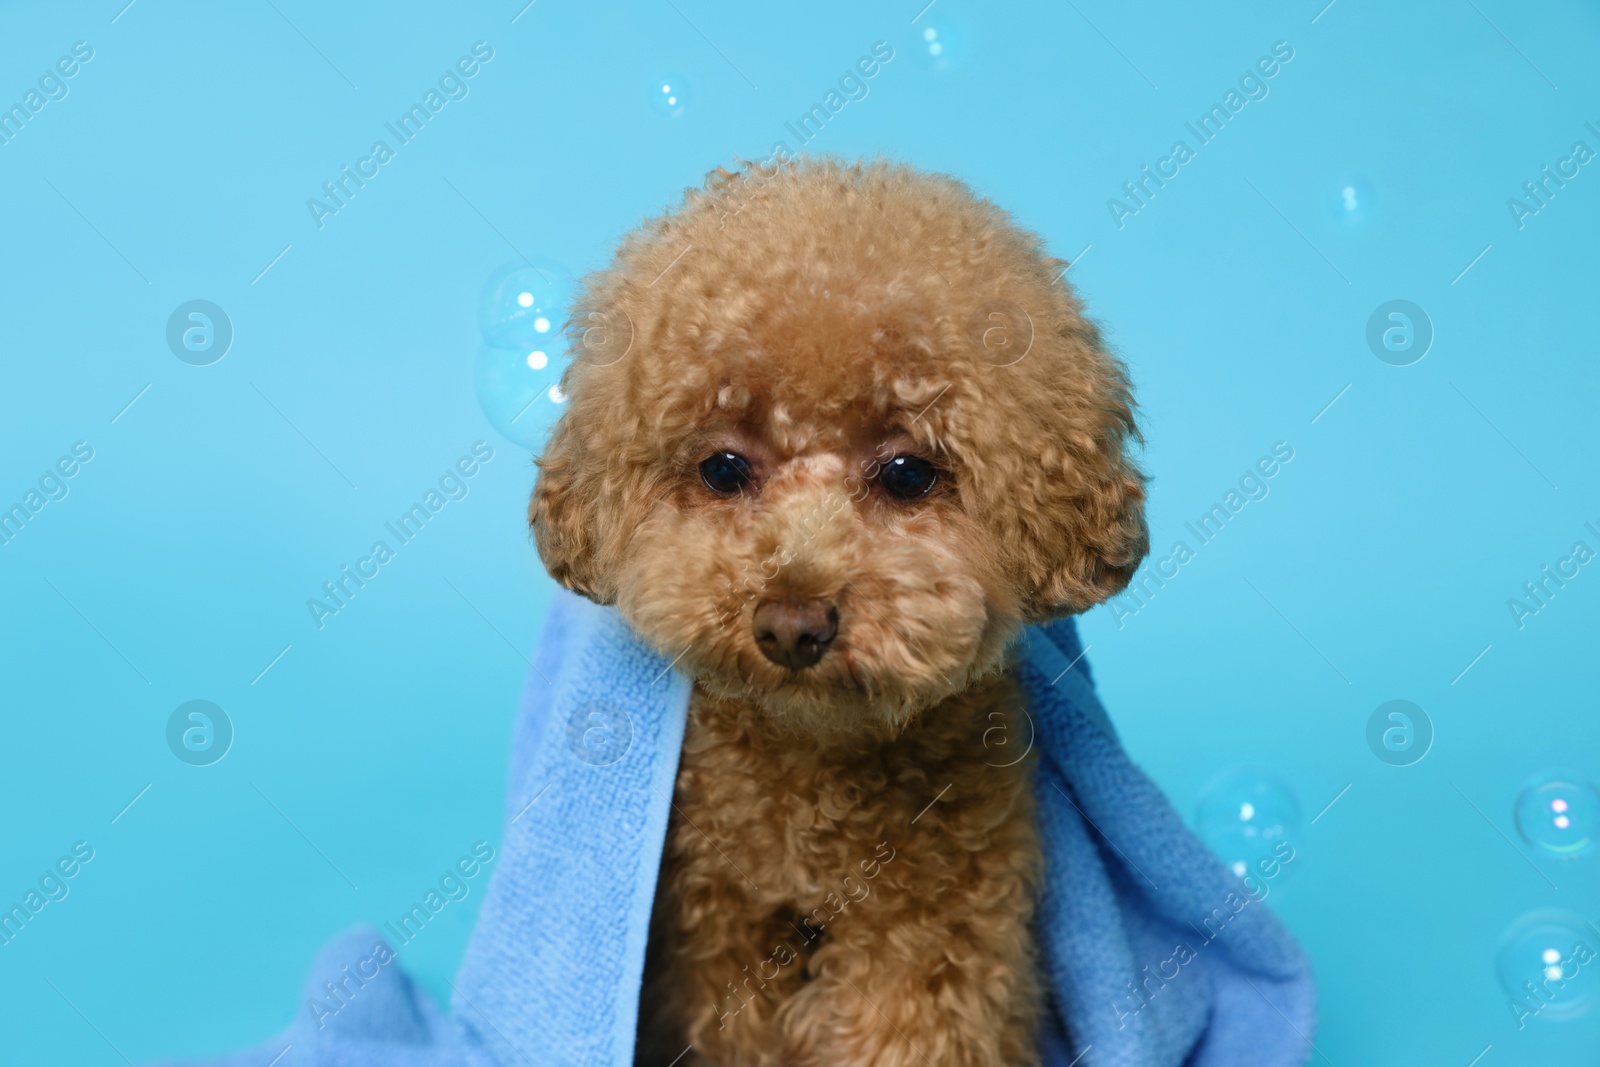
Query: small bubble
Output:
(944,44)
(1353,201)
(1559,813)
(1245,816)
(669,95)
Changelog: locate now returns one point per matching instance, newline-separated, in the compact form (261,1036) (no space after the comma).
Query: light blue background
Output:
(179,565)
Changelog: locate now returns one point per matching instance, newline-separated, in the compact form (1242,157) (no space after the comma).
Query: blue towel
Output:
(1157,955)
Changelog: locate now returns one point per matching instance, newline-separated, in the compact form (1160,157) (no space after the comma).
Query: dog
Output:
(835,433)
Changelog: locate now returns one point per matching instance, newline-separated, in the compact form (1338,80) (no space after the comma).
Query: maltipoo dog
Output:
(835,434)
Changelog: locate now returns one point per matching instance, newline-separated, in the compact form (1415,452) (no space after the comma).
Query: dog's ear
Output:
(1096,539)
(573,524)
(1074,520)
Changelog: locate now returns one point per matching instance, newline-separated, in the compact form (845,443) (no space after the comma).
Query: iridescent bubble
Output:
(1560,813)
(1549,964)
(517,389)
(1247,818)
(525,305)
(669,94)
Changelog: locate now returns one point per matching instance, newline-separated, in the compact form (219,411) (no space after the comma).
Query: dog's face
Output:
(833,436)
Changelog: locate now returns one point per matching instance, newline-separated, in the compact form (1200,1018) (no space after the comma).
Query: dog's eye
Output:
(908,477)
(725,472)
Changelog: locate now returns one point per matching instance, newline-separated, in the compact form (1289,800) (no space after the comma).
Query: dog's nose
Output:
(795,633)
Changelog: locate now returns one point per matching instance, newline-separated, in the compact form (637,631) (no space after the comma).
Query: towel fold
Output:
(1156,954)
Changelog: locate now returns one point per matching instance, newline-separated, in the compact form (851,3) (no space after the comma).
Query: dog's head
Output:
(834,433)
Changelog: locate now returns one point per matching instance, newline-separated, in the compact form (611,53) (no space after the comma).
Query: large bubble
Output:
(1549,963)
(525,305)
(520,391)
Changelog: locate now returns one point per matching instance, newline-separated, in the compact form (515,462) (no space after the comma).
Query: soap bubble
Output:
(942,43)
(1353,202)
(1549,962)
(669,94)
(1559,813)
(519,390)
(1244,816)
(525,306)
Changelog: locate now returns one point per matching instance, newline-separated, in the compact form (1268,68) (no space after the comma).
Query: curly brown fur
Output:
(821,320)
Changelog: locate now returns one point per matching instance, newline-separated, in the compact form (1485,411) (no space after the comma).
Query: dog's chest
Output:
(794,823)
(797,873)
